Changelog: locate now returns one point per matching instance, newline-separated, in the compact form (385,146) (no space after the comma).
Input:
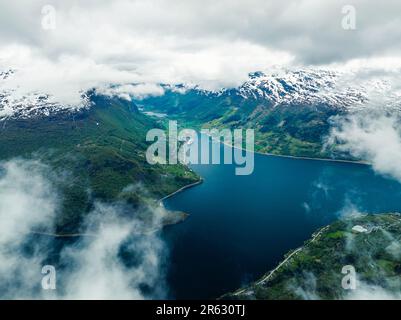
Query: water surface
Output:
(241,226)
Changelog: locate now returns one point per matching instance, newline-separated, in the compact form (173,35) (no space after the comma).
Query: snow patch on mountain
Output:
(14,105)
(343,91)
(340,90)
(303,87)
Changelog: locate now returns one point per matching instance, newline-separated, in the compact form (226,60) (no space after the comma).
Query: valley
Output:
(292,113)
(96,153)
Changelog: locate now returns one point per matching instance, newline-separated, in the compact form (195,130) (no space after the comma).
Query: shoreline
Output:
(267,276)
(361,162)
(249,289)
(160,201)
(358,162)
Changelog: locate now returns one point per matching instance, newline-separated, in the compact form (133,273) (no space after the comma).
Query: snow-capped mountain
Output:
(302,87)
(306,87)
(15,105)
(340,90)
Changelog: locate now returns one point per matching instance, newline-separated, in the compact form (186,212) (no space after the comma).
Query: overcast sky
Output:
(211,43)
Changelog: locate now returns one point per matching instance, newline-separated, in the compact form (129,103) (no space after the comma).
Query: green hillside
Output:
(94,154)
(295,130)
(314,271)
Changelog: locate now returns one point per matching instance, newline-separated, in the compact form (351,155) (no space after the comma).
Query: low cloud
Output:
(373,137)
(97,43)
(27,202)
(117,257)
(129,91)
(98,270)
(365,291)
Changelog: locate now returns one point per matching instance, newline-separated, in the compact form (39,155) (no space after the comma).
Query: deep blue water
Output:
(241,226)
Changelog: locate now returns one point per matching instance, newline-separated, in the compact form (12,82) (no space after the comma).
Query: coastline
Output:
(183,215)
(267,276)
(361,162)
(381,221)
(160,201)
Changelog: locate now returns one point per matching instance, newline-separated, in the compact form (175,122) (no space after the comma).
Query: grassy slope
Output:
(295,130)
(98,152)
(316,268)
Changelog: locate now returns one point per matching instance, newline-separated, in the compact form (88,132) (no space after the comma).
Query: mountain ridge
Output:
(102,151)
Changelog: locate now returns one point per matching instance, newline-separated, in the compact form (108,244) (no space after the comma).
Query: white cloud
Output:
(65,79)
(92,265)
(128,91)
(373,137)
(96,43)
(366,291)
(27,202)
(99,272)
